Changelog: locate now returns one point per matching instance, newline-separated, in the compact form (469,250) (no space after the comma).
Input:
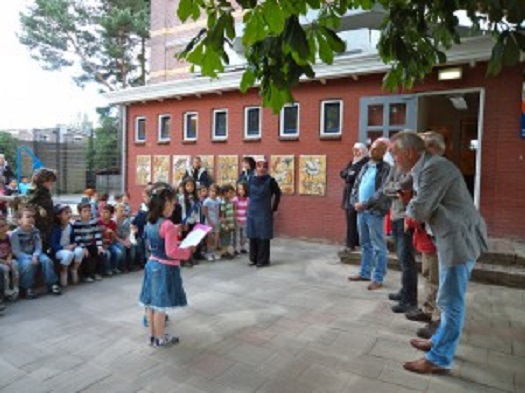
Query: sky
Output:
(29,96)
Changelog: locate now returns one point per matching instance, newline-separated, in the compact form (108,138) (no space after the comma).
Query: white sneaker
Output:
(98,277)
(210,257)
(166,341)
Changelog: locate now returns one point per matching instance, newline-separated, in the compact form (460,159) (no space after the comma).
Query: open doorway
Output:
(456,115)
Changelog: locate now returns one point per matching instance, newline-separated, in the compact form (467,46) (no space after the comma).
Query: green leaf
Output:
(185,9)
(254,30)
(325,51)
(511,52)
(273,16)
(248,80)
(336,43)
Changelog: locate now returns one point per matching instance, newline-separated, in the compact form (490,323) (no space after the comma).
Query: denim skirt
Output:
(162,287)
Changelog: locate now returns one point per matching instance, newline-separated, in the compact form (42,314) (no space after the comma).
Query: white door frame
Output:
(481,92)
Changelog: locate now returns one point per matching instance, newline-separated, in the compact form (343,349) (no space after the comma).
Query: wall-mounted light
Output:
(447,74)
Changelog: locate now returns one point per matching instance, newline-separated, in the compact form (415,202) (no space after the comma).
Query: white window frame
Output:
(137,120)
(281,121)
(246,135)
(322,131)
(159,127)
(186,115)
(214,135)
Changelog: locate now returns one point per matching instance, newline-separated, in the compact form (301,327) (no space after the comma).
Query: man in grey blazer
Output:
(443,203)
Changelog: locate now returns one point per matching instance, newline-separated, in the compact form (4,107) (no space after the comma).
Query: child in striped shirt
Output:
(88,235)
(227,234)
(241,207)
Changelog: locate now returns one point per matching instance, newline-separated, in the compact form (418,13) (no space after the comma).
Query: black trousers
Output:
(260,251)
(352,234)
(93,263)
(407,262)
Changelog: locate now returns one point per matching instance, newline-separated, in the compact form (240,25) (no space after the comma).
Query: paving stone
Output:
(77,379)
(27,384)
(394,373)
(210,365)
(488,376)
(362,384)
(326,378)
(364,365)
(394,350)
(9,372)
(298,326)
(250,354)
(241,377)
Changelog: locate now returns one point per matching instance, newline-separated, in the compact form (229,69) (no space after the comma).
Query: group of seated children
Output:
(223,209)
(84,249)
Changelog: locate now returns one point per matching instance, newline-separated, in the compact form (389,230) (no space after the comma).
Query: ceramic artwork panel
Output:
(312,175)
(180,164)
(282,168)
(143,170)
(227,169)
(161,169)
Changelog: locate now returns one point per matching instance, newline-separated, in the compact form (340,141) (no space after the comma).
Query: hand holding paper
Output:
(198,233)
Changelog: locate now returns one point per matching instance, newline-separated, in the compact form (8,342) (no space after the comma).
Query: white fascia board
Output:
(473,49)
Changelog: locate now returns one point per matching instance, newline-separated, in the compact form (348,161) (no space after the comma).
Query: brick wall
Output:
(503,179)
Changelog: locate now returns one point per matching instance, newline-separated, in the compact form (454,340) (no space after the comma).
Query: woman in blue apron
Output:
(265,195)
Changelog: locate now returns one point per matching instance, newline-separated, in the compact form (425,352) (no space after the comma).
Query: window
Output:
(331,118)
(164,132)
(190,126)
(384,116)
(140,129)
(290,121)
(252,122)
(220,124)
(77,138)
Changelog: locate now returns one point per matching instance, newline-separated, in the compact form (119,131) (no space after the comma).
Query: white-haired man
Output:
(443,202)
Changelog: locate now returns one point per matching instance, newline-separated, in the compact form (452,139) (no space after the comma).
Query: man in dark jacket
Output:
(198,173)
(372,205)
(265,196)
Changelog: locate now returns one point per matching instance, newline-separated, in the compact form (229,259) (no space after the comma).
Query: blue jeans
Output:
(373,246)
(114,258)
(453,282)
(27,270)
(407,262)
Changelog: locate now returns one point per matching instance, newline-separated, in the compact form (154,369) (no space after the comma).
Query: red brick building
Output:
(179,114)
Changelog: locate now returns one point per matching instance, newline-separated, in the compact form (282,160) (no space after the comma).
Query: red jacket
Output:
(422,242)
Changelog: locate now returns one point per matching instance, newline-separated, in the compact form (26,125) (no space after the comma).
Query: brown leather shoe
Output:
(374,285)
(421,344)
(357,277)
(423,366)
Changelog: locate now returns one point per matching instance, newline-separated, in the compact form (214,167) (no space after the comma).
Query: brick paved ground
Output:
(296,327)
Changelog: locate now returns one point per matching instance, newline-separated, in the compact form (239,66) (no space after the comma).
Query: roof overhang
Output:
(471,50)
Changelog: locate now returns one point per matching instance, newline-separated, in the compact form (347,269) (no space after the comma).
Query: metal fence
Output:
(75,171)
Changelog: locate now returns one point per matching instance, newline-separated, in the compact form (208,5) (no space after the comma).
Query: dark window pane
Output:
(252,122)
(165,127)
(332,118)
(398,114)
(375,115)
(290,120)
(373,135)
(141,129)
(191,126)
(220,124)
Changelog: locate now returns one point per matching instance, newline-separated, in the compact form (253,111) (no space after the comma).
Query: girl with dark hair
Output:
(248,169)
(162,288)
(190,213)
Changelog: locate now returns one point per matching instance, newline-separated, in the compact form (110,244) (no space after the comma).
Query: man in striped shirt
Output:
(88,235)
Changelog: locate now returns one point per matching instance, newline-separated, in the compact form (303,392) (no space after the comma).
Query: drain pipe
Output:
(124,128)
